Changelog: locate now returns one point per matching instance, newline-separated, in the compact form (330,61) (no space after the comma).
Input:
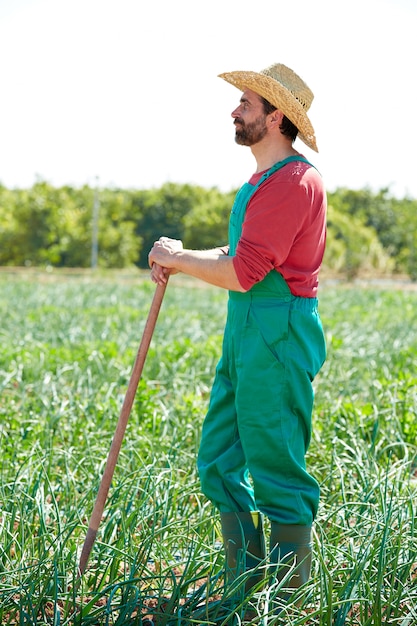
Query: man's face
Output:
(249,119)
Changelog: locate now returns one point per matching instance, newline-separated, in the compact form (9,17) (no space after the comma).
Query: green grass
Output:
(67,347)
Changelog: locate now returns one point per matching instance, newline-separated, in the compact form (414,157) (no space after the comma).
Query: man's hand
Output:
(162,259)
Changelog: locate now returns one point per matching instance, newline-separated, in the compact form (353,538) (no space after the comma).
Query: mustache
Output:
(239,120)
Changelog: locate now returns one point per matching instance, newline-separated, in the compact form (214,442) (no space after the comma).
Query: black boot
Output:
(290,557)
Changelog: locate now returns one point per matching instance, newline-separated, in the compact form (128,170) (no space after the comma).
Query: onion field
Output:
(68,342)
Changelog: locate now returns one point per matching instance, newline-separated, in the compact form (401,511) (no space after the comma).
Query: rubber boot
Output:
(290,557)
(244,544)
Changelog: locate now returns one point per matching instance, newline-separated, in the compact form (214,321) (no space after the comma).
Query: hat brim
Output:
(280,97)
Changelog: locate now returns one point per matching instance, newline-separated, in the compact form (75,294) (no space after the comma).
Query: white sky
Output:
(127,90)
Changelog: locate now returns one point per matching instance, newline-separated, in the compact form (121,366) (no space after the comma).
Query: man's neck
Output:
(266,155)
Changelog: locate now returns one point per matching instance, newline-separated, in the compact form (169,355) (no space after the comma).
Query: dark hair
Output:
(287,127)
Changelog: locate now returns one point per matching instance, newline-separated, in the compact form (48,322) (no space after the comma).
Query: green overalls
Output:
(258,426)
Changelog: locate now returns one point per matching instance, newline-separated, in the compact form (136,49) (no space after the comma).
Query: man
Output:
(258,426)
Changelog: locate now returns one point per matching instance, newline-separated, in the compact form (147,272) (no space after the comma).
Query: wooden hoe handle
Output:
(120,428)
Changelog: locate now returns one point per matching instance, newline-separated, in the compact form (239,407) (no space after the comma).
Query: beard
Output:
(249,134)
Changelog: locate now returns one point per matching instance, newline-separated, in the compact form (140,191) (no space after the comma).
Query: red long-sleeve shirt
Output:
(284,229)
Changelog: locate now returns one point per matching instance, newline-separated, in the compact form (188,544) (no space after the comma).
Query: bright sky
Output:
(127,90)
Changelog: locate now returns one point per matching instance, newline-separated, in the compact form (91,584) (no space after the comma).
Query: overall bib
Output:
(258,425)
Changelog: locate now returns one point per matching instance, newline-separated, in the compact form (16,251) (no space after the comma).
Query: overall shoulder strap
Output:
(277,166)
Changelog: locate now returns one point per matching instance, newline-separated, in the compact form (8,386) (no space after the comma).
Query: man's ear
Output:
(276,117)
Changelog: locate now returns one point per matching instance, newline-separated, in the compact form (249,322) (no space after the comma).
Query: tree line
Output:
(372,232)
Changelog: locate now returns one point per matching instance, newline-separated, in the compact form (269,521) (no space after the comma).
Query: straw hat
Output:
(285,90)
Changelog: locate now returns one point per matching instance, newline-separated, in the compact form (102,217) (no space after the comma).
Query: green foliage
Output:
(353,248)
(161,213)
(52,226)
(206,225)
(46,226)
(119,244)
(197,216)
(394,221)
